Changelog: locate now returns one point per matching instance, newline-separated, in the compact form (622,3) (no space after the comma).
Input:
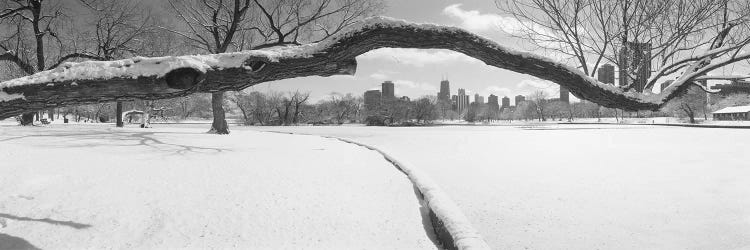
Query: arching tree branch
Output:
(76,55)
(167,77)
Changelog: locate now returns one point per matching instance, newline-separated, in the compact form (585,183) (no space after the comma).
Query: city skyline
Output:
(387,90)
(413,70)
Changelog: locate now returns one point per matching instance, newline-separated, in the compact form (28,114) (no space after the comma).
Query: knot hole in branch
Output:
(183,78)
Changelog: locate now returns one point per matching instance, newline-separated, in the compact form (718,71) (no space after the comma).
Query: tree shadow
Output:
(15,243)
(46,220)
(125,139)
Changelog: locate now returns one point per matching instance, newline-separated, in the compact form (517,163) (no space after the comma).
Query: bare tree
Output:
(214,26)
(693,103)
(426,109)
(676,34)
(121,28)
(25,19)
(298,100)
(540,98)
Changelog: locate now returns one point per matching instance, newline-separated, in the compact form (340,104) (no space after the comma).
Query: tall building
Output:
(462,101)
(372,99)
(492,103)
(564,95)
(388,92)
(445,90)
(520,99)
(478,99)
(635,57)
(506,102)
(606,74)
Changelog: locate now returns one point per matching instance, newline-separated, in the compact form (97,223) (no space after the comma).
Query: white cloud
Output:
(475,21)
(379,76)
(417,57)
(529,86)
(429,88)
(482,22)
(498,91)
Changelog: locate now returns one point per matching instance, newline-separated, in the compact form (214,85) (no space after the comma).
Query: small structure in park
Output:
(738,113)
(131,115)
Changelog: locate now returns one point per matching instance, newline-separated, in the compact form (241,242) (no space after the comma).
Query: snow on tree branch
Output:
(168,77)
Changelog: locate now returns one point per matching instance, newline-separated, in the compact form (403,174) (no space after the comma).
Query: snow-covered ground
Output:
(85,186)
(582,186)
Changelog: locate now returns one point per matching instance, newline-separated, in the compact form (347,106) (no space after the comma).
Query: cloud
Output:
(379,76)
(431,89)
(482,22)
(498,91)
(417,57)
(529,86)
(475,21)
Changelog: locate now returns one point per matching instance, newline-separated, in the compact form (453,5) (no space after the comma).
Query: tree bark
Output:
(118,114)
(219,125)
(27,118)
(74,84)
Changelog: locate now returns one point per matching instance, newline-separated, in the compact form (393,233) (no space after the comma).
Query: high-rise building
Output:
(564,95)
(478,99)
(492,103)
(462,101)
(606,74)
(635,58)
(372,99)
(520,99)
(388,92)
(445,90)
(506,102)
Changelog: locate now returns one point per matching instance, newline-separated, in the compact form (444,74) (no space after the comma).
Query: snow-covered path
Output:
(97,187)
(582,186)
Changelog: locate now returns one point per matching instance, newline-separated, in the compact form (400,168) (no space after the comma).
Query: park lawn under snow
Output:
(99,187)
(583,186)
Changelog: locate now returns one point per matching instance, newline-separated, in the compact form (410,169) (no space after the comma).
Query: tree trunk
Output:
(219,126)
(118,115)
(27,119)
(51,114)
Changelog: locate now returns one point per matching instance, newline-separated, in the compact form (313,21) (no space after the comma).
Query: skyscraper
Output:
(445,90)
(478,99)
(492,103)
(388,92)
(506,102)
(606,74)
(520,99)
(372,99)
(635,58)
(462,101)
(564,95)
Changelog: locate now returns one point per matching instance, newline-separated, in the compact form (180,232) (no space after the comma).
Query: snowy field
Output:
(583,186)
(97,187)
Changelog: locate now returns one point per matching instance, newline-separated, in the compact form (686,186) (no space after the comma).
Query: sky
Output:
(418,73)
